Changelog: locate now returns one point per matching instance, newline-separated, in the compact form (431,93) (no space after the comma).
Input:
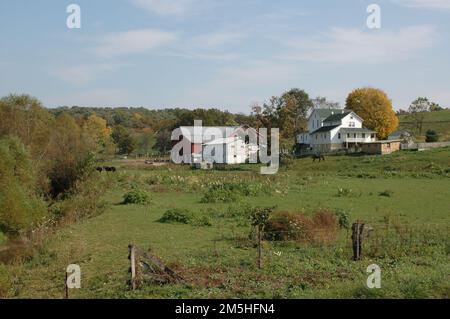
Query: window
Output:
(316,136)
(363,135)
(339,135)
(372,135)
(348,135)
(354,135)
(351,124)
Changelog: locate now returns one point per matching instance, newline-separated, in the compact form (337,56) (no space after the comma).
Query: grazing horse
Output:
(319,156)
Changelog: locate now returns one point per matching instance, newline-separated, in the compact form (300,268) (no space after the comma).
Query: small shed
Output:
(381,147)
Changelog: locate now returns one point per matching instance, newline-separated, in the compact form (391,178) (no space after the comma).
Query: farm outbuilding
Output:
(381,147)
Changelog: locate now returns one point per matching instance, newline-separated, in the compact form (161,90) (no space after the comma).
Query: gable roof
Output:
(197,134)
(325,129)
(336,117)
(324,113)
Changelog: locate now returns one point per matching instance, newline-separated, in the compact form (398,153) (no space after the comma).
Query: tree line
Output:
(46,152)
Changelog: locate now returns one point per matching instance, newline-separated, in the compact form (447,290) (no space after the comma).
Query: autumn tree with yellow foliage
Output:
(374,106)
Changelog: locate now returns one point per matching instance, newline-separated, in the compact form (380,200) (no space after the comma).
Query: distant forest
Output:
(143,131)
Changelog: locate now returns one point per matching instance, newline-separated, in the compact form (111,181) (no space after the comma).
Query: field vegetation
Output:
(402,198)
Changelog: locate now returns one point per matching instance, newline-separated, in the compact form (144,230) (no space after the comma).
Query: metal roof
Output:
(336,117)
(325,129)
(324,113)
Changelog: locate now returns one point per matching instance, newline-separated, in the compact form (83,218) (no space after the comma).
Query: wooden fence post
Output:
(133,265)
(66,288)
(259,248)
(357,237)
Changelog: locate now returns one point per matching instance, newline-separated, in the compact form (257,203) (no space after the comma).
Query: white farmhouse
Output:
(334,129)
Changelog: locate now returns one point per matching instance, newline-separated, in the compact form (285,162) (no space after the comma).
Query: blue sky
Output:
(226,54)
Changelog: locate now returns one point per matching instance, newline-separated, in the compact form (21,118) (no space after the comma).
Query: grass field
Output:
(437,121)
(403,196)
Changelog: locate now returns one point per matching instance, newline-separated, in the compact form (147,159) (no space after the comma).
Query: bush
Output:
(21,205)
(136,196)
(431,136)
(177,215)
(202,221)
(321,227)
(343,219)
(284,226)
(84,200)
(386,193)
(184,216)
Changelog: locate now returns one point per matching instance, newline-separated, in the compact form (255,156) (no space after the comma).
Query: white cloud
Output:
(430,4)
(165,7)
(220,38)
(341,45)
(133,42)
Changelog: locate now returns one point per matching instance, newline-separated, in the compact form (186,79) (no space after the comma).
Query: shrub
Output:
(84,200)
(343,219)
(321,227)
(431,136)
(284,226)
(202,221)
(386,193)
(177,215)
(324,226)
(136,196)
(21,205)
(184,216)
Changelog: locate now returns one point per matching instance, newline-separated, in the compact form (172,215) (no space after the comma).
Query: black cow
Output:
(99,169)
(110,168)
(319,156)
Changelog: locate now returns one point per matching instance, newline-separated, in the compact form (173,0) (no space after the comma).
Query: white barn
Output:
(229,147)
(334,129)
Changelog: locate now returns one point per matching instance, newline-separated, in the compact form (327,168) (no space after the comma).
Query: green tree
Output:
(418,109)
(71,157)
(21,203)
(163,141)
(25,117)
(432,136)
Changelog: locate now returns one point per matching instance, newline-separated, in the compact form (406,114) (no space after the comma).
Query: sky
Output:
(226,54)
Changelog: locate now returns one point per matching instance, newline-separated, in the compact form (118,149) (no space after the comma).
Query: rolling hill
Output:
(438,121)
